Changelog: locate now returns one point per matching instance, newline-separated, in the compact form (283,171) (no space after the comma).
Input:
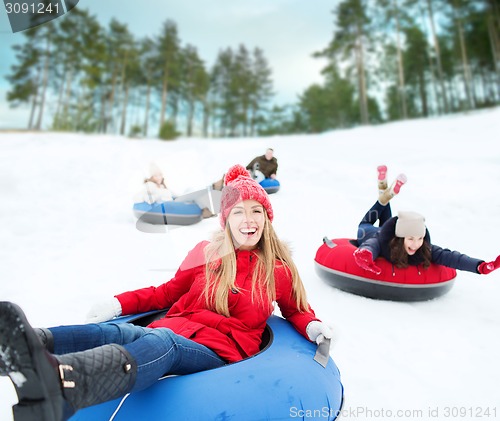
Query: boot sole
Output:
(24,359)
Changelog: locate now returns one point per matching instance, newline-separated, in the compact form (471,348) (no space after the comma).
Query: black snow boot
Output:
(96,375)
(51,388)
(33,371)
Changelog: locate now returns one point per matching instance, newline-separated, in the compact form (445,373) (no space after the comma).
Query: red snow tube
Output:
(335,263)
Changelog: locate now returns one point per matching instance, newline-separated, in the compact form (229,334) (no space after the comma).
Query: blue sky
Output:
(288,31)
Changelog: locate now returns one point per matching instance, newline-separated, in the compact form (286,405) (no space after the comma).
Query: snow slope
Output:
(68,239)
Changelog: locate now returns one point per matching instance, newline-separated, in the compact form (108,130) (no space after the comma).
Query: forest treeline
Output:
(387,60)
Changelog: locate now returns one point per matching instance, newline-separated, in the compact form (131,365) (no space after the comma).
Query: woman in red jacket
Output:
(219,301)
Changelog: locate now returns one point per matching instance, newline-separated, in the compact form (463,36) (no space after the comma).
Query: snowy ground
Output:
(68,239)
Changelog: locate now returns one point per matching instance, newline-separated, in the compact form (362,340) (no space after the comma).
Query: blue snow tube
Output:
(168,213)
(280,382)
(271,185)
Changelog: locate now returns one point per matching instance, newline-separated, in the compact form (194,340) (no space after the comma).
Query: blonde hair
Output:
(220,270)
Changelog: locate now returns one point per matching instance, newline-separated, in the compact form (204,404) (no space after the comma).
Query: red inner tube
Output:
(340,258)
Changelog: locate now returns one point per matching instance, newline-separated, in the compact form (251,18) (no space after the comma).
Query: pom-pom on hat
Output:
(239,186)
(410,224)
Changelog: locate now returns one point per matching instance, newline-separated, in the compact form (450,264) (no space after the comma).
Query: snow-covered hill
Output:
(68,239)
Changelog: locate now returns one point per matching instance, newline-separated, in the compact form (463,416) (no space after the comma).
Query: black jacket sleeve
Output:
(454,259)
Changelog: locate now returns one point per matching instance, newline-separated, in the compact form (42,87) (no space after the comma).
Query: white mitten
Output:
(103,311)
(317,331)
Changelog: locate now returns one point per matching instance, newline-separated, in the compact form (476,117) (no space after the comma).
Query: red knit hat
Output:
(239,186)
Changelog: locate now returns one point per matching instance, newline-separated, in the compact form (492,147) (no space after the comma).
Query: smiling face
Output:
(246,221)
(412,244)
(157,179)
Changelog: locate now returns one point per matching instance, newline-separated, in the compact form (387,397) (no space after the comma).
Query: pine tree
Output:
(119,47)
(492,11)
(194,83)
(91,104)
(25,77)
(460,9)
(31,77)
(222,93)
(168,48)
(147,66)
(349,46)
(417,67)
(130,78)
(69,56)
(437,49)
(482,58)
(262,89)
(329,106)
(240,88)
(393,13)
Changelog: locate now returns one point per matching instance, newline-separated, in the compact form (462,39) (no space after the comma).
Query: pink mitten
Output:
(364,259)
(488,267)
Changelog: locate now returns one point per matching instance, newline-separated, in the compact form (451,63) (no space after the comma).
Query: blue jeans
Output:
(156,351)
(367,228)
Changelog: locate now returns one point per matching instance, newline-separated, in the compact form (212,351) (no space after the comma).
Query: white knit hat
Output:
(154,169)
(410,224)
